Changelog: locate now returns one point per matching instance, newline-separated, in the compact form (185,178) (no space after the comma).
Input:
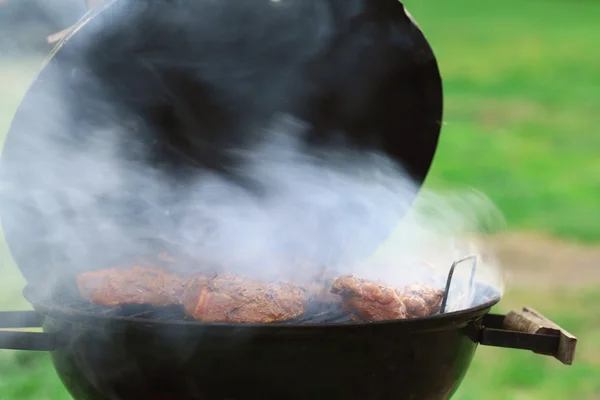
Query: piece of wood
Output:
(531,321)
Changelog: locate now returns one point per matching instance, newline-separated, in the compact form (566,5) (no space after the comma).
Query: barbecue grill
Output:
(144,352)
(136,351)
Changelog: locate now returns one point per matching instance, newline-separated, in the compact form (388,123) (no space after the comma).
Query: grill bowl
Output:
(116,357)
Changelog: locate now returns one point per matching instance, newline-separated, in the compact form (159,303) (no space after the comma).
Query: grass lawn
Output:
(522,94)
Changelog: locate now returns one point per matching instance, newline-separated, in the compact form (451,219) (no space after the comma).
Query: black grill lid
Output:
(361,67)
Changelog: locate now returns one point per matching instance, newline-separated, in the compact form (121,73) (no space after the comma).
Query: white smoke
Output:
(442,228)
(330,211)
(317,210)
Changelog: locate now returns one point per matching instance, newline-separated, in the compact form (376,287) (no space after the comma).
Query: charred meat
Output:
(421,301)
(137,285)
(228,298)
(233,299)
(224,298)
(367,301)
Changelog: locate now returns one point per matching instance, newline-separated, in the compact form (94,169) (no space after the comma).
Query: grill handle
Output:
(19,340)
(528,330)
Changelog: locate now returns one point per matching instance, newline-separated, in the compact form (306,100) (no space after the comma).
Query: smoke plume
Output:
(300,213)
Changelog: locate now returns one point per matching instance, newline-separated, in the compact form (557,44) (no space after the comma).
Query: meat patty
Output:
(229,298)
(421,300)
(366,300)
(136,285)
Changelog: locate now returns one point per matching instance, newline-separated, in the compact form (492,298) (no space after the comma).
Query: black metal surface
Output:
(536,342)
(494,334)
(360,68)
(20,319)
(122,358)
(373,362)
(32,341)
(19,340)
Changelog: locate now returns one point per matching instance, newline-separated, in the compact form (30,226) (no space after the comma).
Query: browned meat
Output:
(136,285)
(227,298)
(366,300)
(420,300)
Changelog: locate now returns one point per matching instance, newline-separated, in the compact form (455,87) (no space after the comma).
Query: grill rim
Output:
(50,308)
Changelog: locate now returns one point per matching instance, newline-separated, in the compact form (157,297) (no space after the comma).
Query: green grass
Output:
(522,94)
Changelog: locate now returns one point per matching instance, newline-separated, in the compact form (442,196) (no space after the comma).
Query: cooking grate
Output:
(316,312)
(67,300)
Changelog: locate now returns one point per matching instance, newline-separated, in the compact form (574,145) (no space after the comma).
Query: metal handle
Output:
(17,340)
(528,330)
(473,259)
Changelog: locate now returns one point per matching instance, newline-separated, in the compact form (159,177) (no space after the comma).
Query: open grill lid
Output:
(363,68)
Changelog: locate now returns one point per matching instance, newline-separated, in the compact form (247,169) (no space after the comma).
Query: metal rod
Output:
(33,341)
(536,342)
(20,319)
(451,275)
(19,340)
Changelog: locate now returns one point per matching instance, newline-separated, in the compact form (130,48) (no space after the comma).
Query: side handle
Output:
(19,340)
(528,330)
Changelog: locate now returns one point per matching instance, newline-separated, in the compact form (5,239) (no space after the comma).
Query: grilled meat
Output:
(137,285)
(366,300)
(421,301)
(224,298)
(228,298)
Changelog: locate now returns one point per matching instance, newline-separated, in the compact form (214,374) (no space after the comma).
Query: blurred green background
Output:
(522,125)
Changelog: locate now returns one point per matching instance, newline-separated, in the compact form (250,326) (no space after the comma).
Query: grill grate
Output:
(316,312)
(141,311)
(67,300)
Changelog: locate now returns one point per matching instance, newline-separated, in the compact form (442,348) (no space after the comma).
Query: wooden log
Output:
(531,321)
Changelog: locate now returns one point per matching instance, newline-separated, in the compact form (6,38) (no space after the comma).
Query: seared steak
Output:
(137,285)
(368,301)
(421,300)
(229,298)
